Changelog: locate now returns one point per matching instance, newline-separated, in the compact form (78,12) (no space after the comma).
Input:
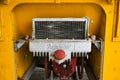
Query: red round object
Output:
(59,54)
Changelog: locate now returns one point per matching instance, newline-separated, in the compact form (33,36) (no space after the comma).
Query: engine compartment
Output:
(23,27)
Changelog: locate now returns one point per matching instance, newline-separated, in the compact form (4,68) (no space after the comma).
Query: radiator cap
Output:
(59,54)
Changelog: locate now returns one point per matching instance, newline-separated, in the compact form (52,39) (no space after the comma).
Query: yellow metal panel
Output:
(7,66)
(111,69)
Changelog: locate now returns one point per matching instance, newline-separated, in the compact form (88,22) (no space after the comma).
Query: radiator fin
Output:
(60,29)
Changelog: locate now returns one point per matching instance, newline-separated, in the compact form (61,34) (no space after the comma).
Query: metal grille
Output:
(60,29)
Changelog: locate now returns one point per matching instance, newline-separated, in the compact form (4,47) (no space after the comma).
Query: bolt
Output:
(27,37)
(92,21)
(64,65)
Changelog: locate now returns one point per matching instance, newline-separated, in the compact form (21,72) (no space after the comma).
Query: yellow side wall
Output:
(7,60)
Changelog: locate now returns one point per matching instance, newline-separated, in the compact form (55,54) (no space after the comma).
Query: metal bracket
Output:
(18,44)
(98,43)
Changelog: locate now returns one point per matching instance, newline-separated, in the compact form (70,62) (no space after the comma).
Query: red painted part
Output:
(47,71)
(67,71)
(59,54)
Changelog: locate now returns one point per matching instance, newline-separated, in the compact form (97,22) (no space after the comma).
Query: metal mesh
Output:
(60,29)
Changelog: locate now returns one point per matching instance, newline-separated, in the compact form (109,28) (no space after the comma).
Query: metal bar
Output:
(30,71)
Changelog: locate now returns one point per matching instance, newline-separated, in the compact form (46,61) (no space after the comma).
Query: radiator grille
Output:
(60,29)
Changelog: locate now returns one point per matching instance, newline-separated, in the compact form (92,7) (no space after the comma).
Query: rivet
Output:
(92,21)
